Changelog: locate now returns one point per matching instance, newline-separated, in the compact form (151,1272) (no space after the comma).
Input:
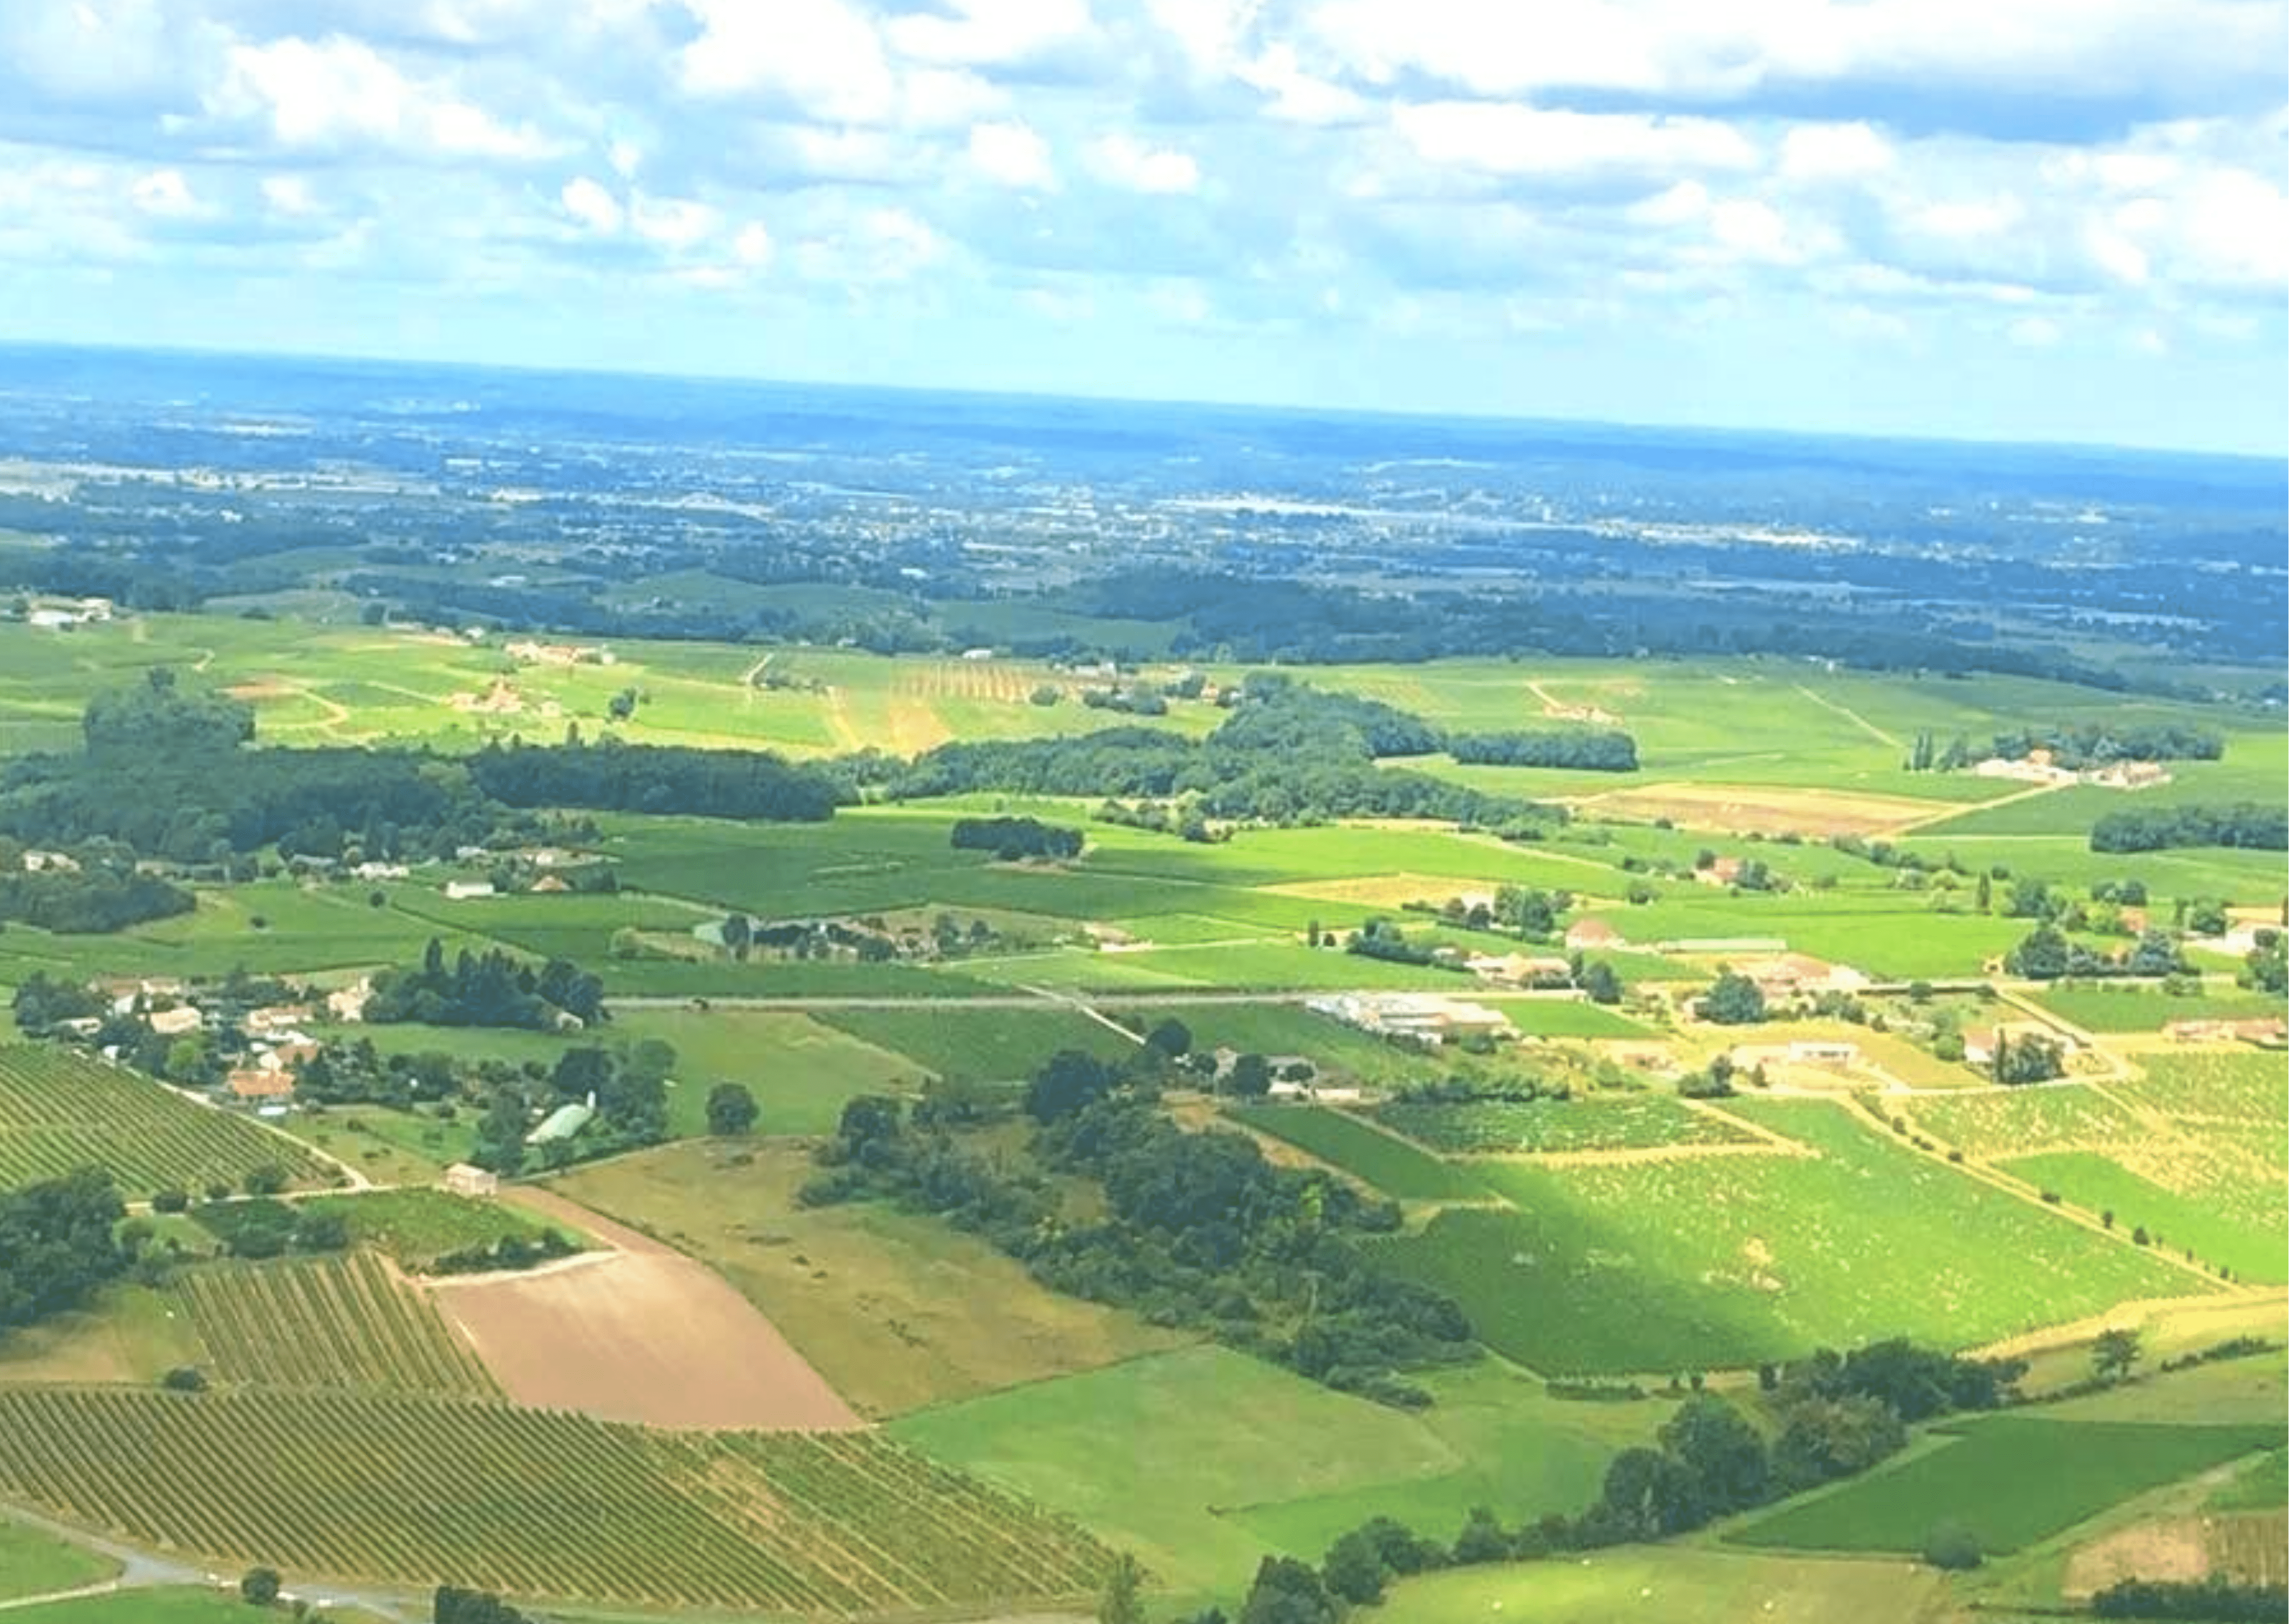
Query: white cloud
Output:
(289,194)
(989,32)
(1211,34)
(1966,219)
(1123,161)
(1834,152)
(340,92)
(1296,96)
(594,208)
(673,223)
(1504,138)
(1011,155)
(165,194)
(824,56)
(752,246)
(2034,333)
(945,97)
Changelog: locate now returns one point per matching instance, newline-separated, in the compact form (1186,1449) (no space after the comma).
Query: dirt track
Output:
(644,1334)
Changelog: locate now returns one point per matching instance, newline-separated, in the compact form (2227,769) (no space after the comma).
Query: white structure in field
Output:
(1425,1017)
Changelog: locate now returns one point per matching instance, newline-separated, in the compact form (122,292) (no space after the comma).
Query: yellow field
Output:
(1762,809)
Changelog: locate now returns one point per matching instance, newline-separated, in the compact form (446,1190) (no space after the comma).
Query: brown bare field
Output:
(640,1334)
(2248,1547)
(1376,890)
(1762,809)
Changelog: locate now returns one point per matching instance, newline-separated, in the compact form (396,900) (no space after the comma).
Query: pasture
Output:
(415,1227)
(1678,1584)
(2100,1007)
(1709,1263)
(1380,1160)
(36,1563)
(895,1310)
(61,1111)
(2009,1480)
(997,1045)
(347,1322)
(801,1070)
(813,1524)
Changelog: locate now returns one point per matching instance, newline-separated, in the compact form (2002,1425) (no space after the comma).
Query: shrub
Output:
(1951,1547)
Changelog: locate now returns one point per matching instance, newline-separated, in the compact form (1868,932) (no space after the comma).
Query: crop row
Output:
(532,1503)
(2015,1122)
(61,1111)
(326,1321)
(2222,1087)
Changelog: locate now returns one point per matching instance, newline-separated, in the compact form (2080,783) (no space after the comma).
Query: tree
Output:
(265,1179)
(1121,1600)
(1652,1493)
(2042,956)
(1287,1591)
(1252,1076)
(1353,1570)
(1481,1539)
(2113,1353)
(731,1110)
(1709,1437)
(738,934)
(1952,1547)
(1733,1000)
(1171,1038)
(259,1587)
(185,1378)
(1600,983)
(1070,1081)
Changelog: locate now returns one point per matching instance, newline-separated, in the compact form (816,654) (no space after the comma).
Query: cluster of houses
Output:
(63,614)
(532,653)
(276,1045)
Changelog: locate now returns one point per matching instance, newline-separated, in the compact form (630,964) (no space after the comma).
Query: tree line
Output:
(1012,838)
(493,989)
(2245,824)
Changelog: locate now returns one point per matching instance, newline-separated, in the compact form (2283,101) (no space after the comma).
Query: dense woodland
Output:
(58,1243)
(2159,829)
(493,989)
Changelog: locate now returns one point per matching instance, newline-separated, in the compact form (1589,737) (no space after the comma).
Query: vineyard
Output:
(2217,1087)
(1637,1121)
(530,1503)
(2018,1120)
(60,1111)
(325,1323)
(1392,1165)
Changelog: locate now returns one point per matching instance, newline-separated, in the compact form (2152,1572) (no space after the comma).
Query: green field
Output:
(2254,1250)
(2249,1088)
(2008,1480)
(802,1071)
(325,1323)
(1716,1262)
(1200,1432)
(1674,1585)
(159,1607)
(410,1491)
(61,1111)
(2012,1122)
(1374,1157)
(36,1563)
(1623,1122)
(415,1227)
(2103,1008)
(986,1045)
(897,1310)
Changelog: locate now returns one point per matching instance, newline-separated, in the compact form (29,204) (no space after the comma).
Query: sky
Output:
(2033,219)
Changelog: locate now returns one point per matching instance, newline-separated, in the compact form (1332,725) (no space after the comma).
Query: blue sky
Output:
(2020,218)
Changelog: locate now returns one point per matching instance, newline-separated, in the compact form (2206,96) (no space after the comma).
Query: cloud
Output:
(165,193)
(2034,333)
(991,32)
(1835,152)
(336,94)
(824,57)
(592,207)
(1010,155)
(1123,161)
(1511,138)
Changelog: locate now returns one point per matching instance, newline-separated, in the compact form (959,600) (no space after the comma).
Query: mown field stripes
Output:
(347,1322)
(421,1491)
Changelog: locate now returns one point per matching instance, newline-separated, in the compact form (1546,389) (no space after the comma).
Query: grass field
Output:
(986,1045)
(325,1323)
(1675,1585)
(60,1111)
(1376,1158)
(172,1605)
(129,1333)
(1201,1431)
(1718,1262)
(410,1490)
(36,1563)
(895,1310)
(2008,1480)
(801,1070)
(414,1227)
(1625,1122)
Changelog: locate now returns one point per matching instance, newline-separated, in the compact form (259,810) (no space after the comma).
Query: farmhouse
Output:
(1979,1042)
(176,1022)
(348,1003)
(461,891)
(277,1018)
(551,884)
(1520,969)
(2128,775)
(1788,973)
(1724,871)
(1589,933)
(463,1180)
(50,862)
(259,1084)
(380,871)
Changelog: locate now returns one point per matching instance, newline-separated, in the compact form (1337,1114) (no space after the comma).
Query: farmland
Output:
(415,1227)
(325,1323)
(1377,1159)
(34,1563)
(2103,1008)
(364,1487)
(1700,1263)
(2252,1248)
(1678,1585)
(1620,1123)
(2008,1480)
(59,1112)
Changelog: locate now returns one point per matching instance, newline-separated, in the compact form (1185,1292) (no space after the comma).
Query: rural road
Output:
(1034,1001)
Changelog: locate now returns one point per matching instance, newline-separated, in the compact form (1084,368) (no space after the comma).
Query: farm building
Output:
(1424,1017)
(2266,1029)
(176,1022)
(50,862)
(463,1180)
(348,1003)
(1724,871)
(1587,933)
(551,885)
(1804,1051)
(280,1018)
(564,1121)
(461,891)
(1788,973)
(1979,1042)
(1318,1093)
(380,871)
(1520,969)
